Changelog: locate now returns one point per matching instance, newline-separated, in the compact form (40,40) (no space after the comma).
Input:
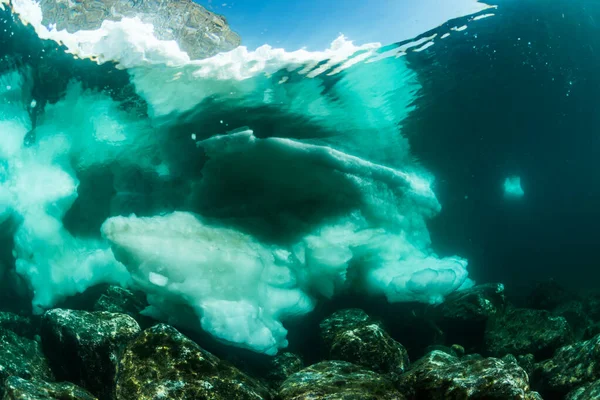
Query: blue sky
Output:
(313,24)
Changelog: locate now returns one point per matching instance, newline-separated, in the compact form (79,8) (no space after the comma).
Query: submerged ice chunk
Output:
(513,188)
(238,287)
(304,222)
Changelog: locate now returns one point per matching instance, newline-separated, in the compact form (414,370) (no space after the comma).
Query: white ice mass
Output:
(267,224)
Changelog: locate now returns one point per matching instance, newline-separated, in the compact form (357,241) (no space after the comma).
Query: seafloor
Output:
(477,345)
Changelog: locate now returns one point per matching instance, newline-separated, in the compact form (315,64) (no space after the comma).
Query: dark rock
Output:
(438,347)
(574,312)
(472,357)
(282,366)
(436,359)
(444,377)
(527,362)
(464,314)
(371,347)
(21,357)
(198,31)
(21,325)
(474,304)
(351,336)
(163,363)
(116,299)
(338,380)
(524,331)
(412,325)
(458,350)
(84,347)
(587,392)
(591,304)
(548,295)
(572,366)
(21,389)
(341,321)
(509,358)
(591,330)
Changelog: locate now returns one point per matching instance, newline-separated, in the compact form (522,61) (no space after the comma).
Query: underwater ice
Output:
(513,188)
(264,225)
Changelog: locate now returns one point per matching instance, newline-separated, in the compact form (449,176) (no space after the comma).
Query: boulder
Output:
(442,376)
(591,305)
(586,392)
(575,314)
(548,295)
(21,357)
(19,324)
(198,31)
(163,363)
(464,314)
(478,303)
(21,389)
(338,380)
(84,347)
(350,335)
(341,321)
(571,366)
(116,299)
(282,366)
(527,362)
(523,331)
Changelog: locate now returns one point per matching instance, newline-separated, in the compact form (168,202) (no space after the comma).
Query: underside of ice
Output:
(303,189)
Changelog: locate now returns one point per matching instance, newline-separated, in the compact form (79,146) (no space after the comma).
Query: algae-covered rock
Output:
(591,305)
(444,349)
(524,331)
(548,295)
(442,376)
(351,336)
(464,314)
(586,392)
(575,314)
(341,321)
(116,299)
(478,303)
(84,347)
(282,366)
(527,362)
(19,324)
(20,389)
(436,359)
(21,357)
(338,380)
(163,363)
(571,367)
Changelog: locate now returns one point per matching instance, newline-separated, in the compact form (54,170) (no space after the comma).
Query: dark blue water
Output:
(517,94)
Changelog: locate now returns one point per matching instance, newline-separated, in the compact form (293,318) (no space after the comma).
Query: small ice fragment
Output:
(158,279)
(193,136)
(512,187)
(33,104)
